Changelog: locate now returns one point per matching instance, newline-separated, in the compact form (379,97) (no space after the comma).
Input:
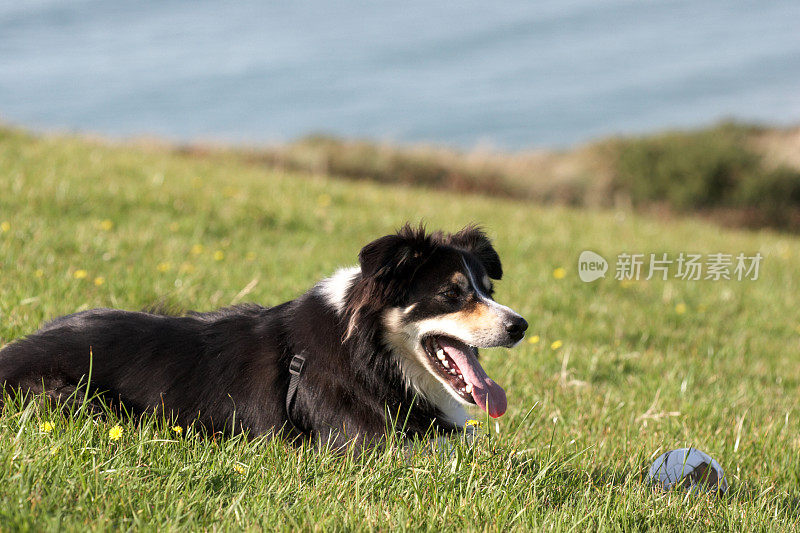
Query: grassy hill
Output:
(740,175)
(612,374)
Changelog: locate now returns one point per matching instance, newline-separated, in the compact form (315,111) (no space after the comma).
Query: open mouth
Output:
(457,364)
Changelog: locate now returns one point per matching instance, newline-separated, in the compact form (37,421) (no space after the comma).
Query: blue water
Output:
(507,74)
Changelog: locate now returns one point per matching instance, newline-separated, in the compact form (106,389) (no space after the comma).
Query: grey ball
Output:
(688,468)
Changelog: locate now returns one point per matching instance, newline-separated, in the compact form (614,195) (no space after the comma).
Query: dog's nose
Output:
(516,327)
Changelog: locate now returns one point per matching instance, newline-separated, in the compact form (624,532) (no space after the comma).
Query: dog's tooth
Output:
(445,363)
(468,388)
(440,354)
(453,371)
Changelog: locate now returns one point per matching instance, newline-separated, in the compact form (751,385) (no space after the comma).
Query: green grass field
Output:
(620,372)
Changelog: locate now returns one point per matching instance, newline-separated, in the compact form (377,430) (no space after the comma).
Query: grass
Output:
(620,373)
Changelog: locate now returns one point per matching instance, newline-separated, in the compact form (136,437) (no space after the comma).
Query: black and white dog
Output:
(389,343)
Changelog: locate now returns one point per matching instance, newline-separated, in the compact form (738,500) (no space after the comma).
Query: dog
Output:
(390,343)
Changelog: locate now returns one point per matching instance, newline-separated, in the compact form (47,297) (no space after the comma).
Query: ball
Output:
(688,468)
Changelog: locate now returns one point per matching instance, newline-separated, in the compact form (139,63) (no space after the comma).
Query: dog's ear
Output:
(472,239)
(377,257)
(398,254)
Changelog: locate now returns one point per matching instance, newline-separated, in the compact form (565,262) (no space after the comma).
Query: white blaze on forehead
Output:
(480,289)
(334,289)
(494,306)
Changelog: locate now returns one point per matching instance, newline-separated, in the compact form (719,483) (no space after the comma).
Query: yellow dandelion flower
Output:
(39,273)
(5,226)
(115,433)
(559,273)
(80,274)
(99,280)
(680,308)
(163,267)
(556,345)
(106,225)
(197,249)
(534,339)
(474,423)
(219,255)
(177,430)
(46,427)
(239,469)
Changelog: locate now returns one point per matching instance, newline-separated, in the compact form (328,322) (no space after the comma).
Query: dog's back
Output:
(198,367)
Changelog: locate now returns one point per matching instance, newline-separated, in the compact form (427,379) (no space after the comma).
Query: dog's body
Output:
(388,343)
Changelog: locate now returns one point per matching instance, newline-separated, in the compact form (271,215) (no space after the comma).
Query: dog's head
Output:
(434,296)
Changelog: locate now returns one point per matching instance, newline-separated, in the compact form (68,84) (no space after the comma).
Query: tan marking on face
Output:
(477,316)
(459,279)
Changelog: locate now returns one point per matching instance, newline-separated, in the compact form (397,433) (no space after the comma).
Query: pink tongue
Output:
(487,394)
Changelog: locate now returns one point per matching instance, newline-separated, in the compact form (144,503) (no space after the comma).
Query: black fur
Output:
(228,370)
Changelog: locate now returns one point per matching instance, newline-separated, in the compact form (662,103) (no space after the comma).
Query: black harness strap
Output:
(295,368)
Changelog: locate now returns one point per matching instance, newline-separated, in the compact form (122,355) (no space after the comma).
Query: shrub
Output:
(688,170)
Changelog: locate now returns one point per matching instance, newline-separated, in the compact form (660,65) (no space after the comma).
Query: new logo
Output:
(591,266)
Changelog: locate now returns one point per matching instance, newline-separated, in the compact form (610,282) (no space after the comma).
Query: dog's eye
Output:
(451,293)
